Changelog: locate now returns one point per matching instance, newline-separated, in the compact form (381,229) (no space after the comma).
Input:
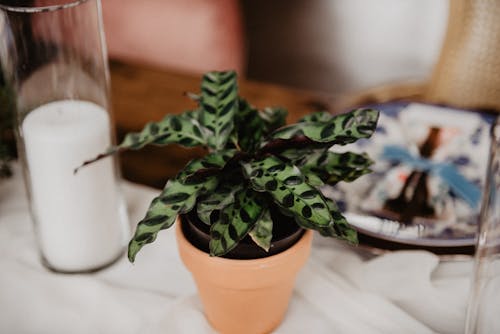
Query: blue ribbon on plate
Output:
(458,184)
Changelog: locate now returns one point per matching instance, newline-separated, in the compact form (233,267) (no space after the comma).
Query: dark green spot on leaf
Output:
(306,212)
(288,200)
(271,185)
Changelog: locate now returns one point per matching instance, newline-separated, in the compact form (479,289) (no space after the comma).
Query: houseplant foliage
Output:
(253,159)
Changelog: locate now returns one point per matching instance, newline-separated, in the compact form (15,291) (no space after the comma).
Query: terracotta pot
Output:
(244,296)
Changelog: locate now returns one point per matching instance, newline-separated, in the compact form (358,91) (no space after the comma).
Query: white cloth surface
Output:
(341,289)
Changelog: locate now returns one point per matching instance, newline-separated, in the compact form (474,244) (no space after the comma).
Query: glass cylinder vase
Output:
(53,56)
(484,300)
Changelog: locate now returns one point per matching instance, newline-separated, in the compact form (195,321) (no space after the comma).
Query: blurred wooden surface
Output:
(141,94)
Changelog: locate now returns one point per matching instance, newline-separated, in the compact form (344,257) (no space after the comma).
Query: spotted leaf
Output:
(314,180)
(340,227)
(181,129)
(319,116)
(235,221)
(296,155)
(209,164)
(176,198)
(252,124)
(249,127)
(209,208)
(332,167)
(273,117)
(289,189)
(219,104)
(341,129)
(262,232)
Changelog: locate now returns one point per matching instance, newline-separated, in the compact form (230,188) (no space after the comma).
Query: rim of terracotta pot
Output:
(213,268)
(198,234)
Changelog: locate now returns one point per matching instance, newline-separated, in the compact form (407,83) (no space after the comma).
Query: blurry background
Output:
(343,45)
(335,46)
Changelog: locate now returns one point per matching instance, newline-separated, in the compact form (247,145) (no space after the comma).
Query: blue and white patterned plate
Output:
(429,195)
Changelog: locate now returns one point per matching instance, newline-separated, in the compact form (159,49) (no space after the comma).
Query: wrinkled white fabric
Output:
(340,290)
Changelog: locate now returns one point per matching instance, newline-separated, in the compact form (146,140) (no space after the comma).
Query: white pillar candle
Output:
(80,218)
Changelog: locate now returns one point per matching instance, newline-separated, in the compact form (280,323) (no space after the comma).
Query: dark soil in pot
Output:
(285,234)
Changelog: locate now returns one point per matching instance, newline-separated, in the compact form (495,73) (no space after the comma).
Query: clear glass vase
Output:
(53,57)
(483,314)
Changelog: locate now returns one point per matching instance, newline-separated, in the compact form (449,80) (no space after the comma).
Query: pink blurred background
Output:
(336,46)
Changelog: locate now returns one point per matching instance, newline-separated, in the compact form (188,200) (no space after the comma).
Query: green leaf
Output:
(340,227)
(173,129)
(319,116)
(262,232)
(296,155)
(235,221)
(177,198)
(182,129)
(273,117)
(209,207)
(252,124)
(219,104)
(249,127)
(332,167)
(314,180)
(287,185)
(214,161)
(341,129)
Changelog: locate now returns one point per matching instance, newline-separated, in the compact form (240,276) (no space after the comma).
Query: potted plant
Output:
(251,202)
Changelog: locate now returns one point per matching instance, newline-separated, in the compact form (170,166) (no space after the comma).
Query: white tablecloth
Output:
(341,290)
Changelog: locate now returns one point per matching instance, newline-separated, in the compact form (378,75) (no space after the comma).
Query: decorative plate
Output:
(427,180)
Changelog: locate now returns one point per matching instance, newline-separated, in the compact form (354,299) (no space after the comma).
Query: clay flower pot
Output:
(245,296)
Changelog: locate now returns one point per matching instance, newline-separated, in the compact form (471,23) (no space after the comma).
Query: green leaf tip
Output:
(333,129)
(219,103)
(262,232)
